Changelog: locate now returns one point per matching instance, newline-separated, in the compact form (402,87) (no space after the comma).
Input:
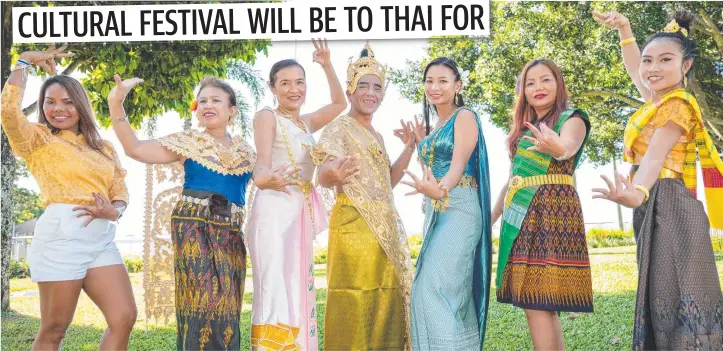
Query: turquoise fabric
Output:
(450,292)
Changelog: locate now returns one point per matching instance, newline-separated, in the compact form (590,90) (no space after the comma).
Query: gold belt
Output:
(467,182)
(305,186)
(518,183)
(665,173)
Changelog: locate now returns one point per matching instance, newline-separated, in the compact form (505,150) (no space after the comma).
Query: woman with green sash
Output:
(543,261)
(450,292)
(679,304)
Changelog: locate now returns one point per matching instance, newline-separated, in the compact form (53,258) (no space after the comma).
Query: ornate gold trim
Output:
(237,159)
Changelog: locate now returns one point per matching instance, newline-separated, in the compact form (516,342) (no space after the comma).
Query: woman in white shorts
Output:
(84,193)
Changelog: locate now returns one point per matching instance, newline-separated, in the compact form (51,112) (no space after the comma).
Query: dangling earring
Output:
(685,81)
(275,101)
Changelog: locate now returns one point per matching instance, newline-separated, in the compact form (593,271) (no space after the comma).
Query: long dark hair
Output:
(458,101)
(86,123)
(687,45)
(523,112)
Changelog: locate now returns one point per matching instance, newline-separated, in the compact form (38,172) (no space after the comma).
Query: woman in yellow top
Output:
(82,185)
(679,304)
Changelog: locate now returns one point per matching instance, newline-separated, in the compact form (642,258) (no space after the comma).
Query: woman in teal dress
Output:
(451,285)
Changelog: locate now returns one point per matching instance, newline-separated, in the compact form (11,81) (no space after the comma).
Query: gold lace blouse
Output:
(66,168)
(680,113)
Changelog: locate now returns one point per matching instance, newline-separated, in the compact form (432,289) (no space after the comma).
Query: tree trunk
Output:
(620,210)
(712,29)
(7,159)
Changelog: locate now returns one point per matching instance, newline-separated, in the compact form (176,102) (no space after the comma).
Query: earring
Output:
(685,81)
(275,101)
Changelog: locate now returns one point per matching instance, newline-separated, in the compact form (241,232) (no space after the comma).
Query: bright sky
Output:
(393,108)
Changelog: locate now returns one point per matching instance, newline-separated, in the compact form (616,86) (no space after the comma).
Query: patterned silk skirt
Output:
(210,269)
(443,307)
(548,267)
(679,303)
(364,304)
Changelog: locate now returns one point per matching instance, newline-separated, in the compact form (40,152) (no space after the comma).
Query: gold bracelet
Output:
(627,41)
(644,190)
(441,204)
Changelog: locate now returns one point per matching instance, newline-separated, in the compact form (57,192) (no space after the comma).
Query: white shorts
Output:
(62,249)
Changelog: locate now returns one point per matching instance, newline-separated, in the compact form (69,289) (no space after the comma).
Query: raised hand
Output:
(46,59)
(418,128)
(628,196)
(545,140)
(321,54)
(103,208)
(342,169)
(280,179)
(428,185)
(121,88)
(611,19)
(406,134)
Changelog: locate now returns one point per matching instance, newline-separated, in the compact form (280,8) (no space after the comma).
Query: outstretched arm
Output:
(321,117)
(146,151)
(630,49)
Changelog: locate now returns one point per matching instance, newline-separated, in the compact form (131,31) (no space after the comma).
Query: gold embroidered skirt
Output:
(364,307)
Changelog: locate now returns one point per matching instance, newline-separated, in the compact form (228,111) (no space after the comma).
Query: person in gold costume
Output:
(368,268)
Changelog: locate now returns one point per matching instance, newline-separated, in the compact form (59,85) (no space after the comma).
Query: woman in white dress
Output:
(287,212)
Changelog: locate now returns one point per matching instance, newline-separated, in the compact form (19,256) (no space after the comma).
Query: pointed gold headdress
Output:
(366,64)
(673,27)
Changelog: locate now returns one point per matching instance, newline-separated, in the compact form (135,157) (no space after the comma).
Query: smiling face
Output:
(662,66)
(441,85)
(214,108)
(540,87)
(59,108)
(290,88)
(368,95)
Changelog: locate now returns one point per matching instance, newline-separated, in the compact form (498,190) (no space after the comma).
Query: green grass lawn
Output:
(609,328)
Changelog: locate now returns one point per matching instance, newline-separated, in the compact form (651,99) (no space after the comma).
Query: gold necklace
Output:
(374,145)
(434,140)
(305,187)
(225,154)
(283,113)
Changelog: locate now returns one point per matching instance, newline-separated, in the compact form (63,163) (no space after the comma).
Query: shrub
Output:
(598,237)
(415,244)
(134,264)
(18,269)
(320,255)
(717,242)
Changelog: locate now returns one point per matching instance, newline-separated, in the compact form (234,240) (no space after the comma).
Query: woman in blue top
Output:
(452,280)
(210,256)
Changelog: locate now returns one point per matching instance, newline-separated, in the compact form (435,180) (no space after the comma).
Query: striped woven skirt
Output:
(210,269)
